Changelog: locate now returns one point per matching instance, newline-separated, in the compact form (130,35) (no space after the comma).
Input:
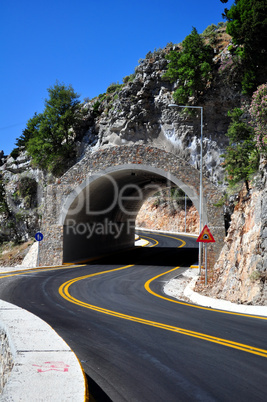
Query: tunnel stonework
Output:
(124,163)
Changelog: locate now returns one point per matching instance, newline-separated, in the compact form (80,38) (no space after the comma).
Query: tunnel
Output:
(99,215)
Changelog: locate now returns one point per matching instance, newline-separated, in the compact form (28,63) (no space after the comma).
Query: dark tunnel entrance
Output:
(99,215)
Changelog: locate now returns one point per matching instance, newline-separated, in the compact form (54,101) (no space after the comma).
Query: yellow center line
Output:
(148,289)
(150,238)
(172,237)
(37,269)
(64,292)
(175,238)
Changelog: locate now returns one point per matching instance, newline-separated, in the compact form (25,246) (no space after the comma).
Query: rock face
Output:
(138,113)
(165,216)
(241,271)
(23,188)
(2,158)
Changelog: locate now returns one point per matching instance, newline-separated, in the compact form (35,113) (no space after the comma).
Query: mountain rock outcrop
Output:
(240,274)
(22,188)
(166,216)
(138,112)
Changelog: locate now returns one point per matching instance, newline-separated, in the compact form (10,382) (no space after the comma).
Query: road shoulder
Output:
(44,367)
(182,287)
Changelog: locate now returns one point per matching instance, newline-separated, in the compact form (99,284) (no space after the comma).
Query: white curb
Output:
(45,368)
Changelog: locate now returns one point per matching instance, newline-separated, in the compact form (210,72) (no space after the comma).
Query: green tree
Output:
(247,24)
(209,30)
(192,67)
(241,157)
(30,131)
(50,136)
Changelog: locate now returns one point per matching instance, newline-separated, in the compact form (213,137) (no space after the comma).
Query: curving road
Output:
(136,343)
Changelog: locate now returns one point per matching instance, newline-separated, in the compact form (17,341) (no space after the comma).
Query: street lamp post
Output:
(185,213)
(201,172)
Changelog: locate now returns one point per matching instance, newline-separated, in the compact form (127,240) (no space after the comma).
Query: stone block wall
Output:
(131,157)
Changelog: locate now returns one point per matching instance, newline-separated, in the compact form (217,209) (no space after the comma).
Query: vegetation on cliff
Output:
(241,157)
(3,201)
(248,139)
(191,67)
(258,113)
(49,137)
(247,25)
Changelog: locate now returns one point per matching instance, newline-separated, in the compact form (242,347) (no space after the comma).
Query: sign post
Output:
(39,237)
(206,265)
(206,237)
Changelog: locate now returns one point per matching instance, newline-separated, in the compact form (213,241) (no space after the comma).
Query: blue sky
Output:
(86,43)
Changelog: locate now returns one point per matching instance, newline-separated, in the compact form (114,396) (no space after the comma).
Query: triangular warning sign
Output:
(205,236)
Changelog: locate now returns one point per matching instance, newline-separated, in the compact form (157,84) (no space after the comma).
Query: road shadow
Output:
(158,256)
(96,394)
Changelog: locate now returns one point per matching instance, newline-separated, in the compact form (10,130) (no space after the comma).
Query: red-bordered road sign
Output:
(205,236)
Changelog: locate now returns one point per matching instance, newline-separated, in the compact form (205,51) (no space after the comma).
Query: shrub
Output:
(258,112)
(128,78)
(3,200)
(15,153)
(209,30)
(241,157)
(27,188)
(114,87)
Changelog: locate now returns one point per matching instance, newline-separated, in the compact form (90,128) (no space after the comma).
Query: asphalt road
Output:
(138,344)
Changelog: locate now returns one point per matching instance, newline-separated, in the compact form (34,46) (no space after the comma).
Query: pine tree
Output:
(241,157)
(247,24)
(191,67)
(50,136)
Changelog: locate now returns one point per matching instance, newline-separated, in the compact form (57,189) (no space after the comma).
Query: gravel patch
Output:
(176,286)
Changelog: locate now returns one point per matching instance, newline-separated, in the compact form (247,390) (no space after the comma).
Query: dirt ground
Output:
(13,254)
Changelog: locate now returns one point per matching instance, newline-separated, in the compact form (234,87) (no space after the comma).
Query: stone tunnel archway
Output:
(92,208)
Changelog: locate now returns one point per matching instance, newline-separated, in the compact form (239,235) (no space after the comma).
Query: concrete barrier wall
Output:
(37,362)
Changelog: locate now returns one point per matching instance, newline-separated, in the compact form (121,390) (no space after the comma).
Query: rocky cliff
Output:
(138,112)
(240,274)
(160,214)
(21,188)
